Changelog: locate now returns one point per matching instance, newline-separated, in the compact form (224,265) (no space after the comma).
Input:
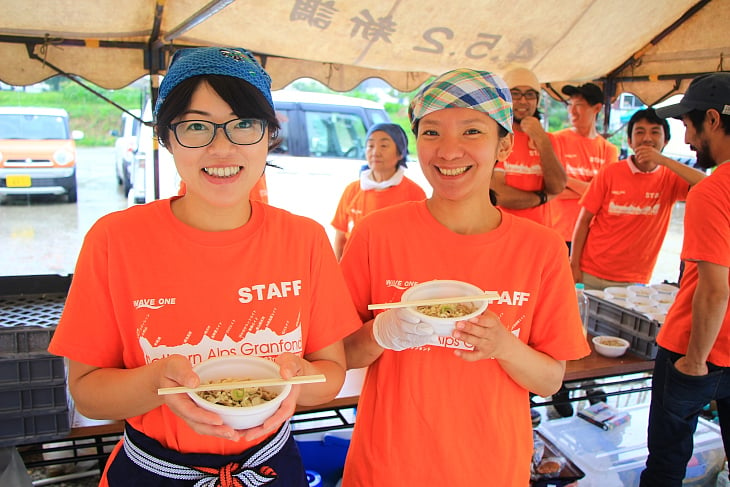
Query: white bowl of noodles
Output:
(240,408)
(443,317)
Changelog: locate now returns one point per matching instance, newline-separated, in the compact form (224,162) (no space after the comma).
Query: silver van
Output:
(322,150)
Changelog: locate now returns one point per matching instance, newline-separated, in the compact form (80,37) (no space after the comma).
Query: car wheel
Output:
(127,181)
(72,195)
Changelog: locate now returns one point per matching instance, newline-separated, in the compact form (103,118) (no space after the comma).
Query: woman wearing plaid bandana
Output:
(454,410)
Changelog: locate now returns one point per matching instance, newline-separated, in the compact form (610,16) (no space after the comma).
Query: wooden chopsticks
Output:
(427,302)
(225,386)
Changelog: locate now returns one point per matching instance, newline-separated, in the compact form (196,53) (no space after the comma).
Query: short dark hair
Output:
(245,100)
(649,114)
(697,117)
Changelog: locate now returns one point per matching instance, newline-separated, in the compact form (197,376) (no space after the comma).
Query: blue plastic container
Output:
(325,455)
(314,479)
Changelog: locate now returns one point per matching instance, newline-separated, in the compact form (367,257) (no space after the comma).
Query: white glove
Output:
(397,329)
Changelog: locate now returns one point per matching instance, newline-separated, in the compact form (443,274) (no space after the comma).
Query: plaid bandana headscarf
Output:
(465,88)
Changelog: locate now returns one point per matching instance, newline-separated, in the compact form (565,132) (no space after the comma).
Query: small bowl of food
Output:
(443,317)
(610,346)
(240,408)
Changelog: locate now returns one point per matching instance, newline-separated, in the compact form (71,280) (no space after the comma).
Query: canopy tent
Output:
(649,48)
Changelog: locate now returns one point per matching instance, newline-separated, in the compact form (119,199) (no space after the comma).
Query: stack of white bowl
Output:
(653,301)
(616,295)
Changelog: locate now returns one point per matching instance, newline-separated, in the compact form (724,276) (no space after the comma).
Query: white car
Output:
(322,151)
(125,147)
(142,174)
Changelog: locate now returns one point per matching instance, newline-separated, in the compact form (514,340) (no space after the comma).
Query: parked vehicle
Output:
(125,147)
(322,150)
(37,152)
(142,172)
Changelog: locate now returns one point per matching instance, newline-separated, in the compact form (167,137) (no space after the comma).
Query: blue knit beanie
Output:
(227,61)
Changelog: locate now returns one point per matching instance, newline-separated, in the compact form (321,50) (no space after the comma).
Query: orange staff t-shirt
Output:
(426,416)
(147,286)
(523,170)
(706,238)
(631,212)
(582,158)
(356,203)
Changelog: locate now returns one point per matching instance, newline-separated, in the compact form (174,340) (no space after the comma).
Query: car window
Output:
(378,116)
(36,127)
(332,134)
(283,116)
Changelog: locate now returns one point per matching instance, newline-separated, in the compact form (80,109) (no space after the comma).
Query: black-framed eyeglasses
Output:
(529,95)
(199,133)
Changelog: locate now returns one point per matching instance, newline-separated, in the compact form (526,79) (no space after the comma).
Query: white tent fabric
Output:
(638,46)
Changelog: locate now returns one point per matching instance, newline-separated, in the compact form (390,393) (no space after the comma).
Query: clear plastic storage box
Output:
(616,458)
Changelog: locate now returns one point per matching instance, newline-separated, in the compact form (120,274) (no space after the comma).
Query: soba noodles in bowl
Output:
(443,317)
(240,408)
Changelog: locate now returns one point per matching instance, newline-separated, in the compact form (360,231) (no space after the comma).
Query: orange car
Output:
(37,152)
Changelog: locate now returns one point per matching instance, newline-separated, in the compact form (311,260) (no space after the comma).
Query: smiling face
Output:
(221,173)
(457,150)
(582,114)
(524,102)
(646,133)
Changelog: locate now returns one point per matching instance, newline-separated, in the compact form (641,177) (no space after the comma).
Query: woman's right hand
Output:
(176,371)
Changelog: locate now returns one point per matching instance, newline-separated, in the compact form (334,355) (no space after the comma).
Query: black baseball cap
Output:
(704,92)
(592,93)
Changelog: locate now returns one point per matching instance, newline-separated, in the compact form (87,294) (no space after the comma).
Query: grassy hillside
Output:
(87,112)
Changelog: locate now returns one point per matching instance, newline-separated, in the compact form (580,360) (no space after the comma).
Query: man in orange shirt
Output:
(692,366)
(583,153)
(628,202)
(532,174)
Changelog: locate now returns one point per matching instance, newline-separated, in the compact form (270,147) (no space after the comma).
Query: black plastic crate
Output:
(25,339)
(21,369)
(34,427)
(607,318)
(31,309)
(33,398)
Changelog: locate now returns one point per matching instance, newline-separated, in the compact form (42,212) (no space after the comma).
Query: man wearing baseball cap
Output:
(532,174)
(692,365)
(583,150)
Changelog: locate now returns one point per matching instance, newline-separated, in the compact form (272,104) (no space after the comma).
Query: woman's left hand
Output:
(486,334)
(286,410)
(290,365)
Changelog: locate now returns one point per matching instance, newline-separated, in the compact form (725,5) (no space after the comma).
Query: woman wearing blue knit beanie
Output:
(163,287)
